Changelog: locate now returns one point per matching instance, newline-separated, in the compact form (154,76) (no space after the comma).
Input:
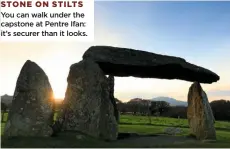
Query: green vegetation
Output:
(128,124)
(164,121)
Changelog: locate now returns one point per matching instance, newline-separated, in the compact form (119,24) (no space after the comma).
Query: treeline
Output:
(152,108)
(220,108)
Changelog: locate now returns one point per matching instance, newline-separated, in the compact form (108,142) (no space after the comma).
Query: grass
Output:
(128,124)
(163,121)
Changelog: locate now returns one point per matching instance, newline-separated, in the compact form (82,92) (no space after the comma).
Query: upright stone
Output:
(111,93)
(200,117)
(87,104)
(31,113)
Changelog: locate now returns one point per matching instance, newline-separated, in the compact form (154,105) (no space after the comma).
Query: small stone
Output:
(172,131)
(208,141)
(111,81)
(27,120)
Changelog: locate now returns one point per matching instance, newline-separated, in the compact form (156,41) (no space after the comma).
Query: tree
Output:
(176,111)
(159,106)
(221,109)
(163,106)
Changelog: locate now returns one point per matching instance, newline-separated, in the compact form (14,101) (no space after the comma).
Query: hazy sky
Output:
(196,31)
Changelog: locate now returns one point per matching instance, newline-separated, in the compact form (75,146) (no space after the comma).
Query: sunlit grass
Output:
(164,121)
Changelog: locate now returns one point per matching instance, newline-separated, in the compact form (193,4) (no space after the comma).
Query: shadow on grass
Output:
(63,140)
(71,140)
(123,135)
(76,140)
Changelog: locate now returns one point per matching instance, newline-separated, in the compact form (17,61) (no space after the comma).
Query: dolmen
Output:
(89,106)
(89,102)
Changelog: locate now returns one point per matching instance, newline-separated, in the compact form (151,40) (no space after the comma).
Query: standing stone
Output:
(87,105)
(200,117)
(31,113)
(111,93)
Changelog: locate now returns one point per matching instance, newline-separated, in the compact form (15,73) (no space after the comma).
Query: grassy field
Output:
(128,124)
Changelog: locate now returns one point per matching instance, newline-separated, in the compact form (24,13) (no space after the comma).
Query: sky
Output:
(196,31)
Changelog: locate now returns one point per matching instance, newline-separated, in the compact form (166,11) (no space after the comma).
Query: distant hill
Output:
(171,101)
(7,99)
